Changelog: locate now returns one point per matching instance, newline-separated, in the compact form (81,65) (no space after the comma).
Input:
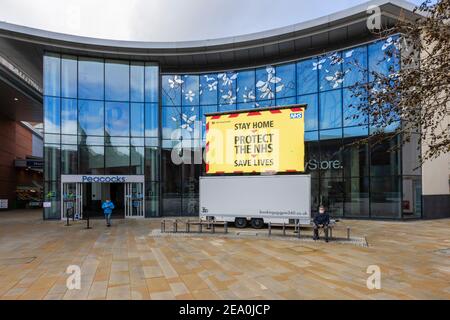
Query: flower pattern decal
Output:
(265,88)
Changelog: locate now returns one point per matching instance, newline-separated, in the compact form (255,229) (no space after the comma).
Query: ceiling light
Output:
(16,99)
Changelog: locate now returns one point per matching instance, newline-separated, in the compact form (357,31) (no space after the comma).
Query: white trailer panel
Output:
(274,198)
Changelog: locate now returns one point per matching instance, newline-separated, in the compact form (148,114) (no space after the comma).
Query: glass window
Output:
(312,156)
(330,72)
(117,80)
(137,81)
(52,115)
(171,185)
(69,116)
(151,120)
(355,66)
(356,155)
(90,118)
(190,180)
(330,109)
(227,88)
(204,110)
(357,197)
(246,86)
(332,195)
(52,68)
(51,162)
(190,90)
(171,120)
(69,77)
(137,160)
(91,159)
(286,101)
(189,122)
(151,163)
(354,106)
(307,76)
(90,78)
(312,111)
(385,197)
(383,57)
(171,90)
(69,159)
(208,89)
(385,158)
(137,119)
(330,153)
(151,83)
(117,160)
(412,197)
(266,83)
(117,119)
(51,194)
(287,85)
(151,199)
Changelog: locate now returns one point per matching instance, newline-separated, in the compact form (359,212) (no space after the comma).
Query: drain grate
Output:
(14,261)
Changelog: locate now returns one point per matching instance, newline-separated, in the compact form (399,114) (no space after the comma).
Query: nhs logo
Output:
(298,115)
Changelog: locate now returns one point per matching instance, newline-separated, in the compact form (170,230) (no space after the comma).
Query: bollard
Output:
(161,226)
(284,229)
(67,216)
(200,226)
(188,226)
(226,227)
(298,230)
(87,222)
(164,225)
(270,229)
(175,225)
(213,227)
(348,233)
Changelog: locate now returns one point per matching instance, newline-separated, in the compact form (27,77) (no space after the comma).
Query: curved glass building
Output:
(116,112)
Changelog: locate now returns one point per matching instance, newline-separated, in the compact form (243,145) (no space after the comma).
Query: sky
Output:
(166,20)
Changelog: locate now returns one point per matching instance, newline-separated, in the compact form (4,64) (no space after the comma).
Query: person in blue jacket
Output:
(108,207)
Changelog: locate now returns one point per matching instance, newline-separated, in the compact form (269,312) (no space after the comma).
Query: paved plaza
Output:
(127,262)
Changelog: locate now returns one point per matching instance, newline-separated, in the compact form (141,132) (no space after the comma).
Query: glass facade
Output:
(113,122)
(100,117)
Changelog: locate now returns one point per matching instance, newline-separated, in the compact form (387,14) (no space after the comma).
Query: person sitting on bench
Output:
(322,220)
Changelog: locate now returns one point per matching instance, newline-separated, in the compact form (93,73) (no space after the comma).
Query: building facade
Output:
(119,115)
(108,117)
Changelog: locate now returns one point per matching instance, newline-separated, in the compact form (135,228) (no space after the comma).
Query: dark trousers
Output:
(316,230)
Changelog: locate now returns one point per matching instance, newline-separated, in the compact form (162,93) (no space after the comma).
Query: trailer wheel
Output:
(240,222)
(257,223)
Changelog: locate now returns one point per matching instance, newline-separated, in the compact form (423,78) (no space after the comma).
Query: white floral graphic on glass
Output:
(265,86)
(189,95)
(318,65)
(175,82)
(186,121)
(248,95)
(337,78)
(229,97)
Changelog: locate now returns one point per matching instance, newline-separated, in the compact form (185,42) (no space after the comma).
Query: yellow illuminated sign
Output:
(270,140)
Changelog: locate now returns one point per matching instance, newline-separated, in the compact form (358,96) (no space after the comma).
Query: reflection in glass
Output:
(286,74)
(117,160)
(69,159)
(51,161)
(137,81)
(52,116)
(385,197)
(69,77)
(137,119)
(307,76)
(90,78)
(91,159)
(208,89)
(90,117)
(137,160)
(117,80)
(151,83)
(117,121)
(52,67)
(357,197)
(312,111)
(68,116)
(151,120)
(330,109)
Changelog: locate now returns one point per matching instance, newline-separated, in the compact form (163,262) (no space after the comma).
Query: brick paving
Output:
(126,262)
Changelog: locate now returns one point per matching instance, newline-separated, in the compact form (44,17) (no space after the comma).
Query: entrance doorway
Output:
(84,195)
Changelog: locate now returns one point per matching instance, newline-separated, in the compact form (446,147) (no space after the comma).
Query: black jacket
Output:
(323,218)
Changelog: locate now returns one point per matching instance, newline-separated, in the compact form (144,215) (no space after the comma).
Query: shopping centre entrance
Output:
(83,195)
